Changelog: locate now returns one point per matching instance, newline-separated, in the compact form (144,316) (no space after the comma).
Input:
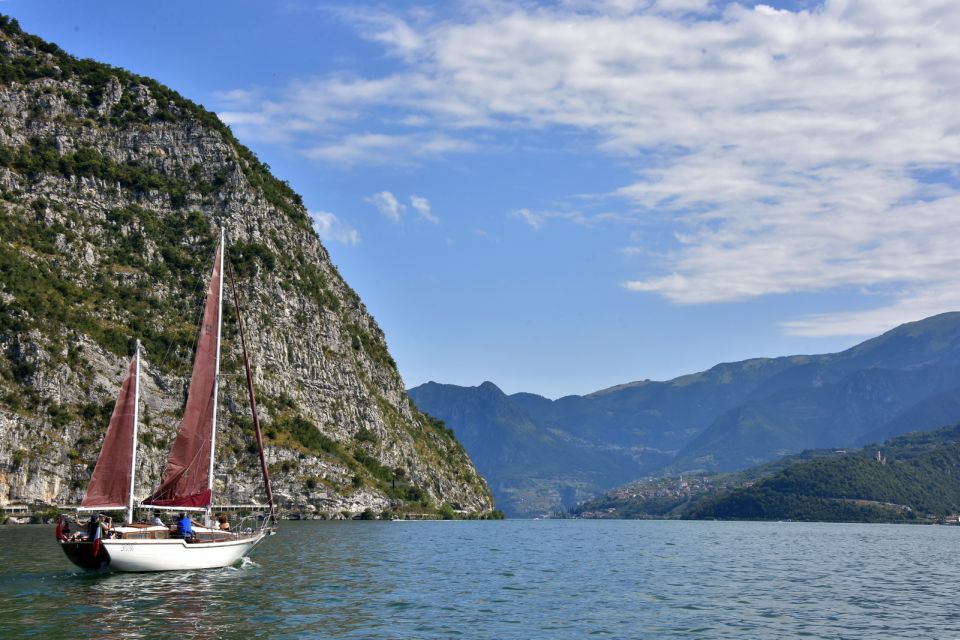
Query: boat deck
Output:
(138,531)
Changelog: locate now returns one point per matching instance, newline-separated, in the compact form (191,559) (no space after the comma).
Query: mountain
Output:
(838,399)
(909,478)
(533,469)
(659,415)
(732,416)
(939,408)
(812,415)
(112,188)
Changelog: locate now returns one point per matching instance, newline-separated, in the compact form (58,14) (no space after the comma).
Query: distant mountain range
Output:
(541,455)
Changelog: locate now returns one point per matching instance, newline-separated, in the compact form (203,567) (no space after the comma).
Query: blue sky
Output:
(564,196)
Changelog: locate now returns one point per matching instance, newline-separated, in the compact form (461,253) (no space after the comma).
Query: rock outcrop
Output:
(112,190)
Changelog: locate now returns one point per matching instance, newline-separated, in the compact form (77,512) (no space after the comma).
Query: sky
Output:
(564,196)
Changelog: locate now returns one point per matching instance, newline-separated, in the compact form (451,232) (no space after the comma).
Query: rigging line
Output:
(251,393)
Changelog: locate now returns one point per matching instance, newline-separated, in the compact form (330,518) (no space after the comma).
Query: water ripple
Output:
(510,580)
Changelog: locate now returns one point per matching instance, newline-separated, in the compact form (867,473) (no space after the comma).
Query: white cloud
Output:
(619,8)
(391,207)
(422,207)
(535,220)
(912,305)
(378,148)
(388,205)
(330,228)
(236,96)
(793,151)
(398,36)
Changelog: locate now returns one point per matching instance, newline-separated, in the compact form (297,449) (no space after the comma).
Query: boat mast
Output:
(216,376)
(252,396)
(136,416)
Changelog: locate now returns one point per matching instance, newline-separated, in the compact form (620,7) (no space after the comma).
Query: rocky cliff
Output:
(112,189)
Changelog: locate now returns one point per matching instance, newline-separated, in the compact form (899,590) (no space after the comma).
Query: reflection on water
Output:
(120,604)
(73,603)
(515,579)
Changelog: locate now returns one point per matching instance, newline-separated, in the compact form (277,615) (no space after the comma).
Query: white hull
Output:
(176,554)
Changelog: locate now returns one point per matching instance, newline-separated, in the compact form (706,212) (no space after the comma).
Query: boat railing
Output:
(146,534)
(255,522)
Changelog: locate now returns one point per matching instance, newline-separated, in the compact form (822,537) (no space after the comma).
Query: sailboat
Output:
(187,482)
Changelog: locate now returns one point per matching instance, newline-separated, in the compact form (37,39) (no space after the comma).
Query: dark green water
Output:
(514,579)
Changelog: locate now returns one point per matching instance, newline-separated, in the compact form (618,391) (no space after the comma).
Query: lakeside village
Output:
(40,513)
(678,490)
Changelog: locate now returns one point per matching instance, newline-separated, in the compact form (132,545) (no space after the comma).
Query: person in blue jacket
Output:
(185,527)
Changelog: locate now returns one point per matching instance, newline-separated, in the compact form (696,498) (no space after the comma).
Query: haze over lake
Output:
(518,579)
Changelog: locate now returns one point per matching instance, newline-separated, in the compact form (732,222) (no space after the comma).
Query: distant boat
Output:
(187,482)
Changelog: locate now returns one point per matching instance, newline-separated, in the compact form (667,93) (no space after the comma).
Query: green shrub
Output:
(365,435)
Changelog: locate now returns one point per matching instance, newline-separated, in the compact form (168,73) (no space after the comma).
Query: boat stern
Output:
(83,554)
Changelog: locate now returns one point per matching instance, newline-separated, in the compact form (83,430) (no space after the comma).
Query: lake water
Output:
(515,579)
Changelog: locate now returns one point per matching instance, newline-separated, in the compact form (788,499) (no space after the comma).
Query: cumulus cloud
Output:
(792,151)
(422,206)
(392,209)
(388,205)
(330,228)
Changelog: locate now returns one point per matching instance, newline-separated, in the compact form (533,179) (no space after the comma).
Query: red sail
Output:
(186,481)
(109,486)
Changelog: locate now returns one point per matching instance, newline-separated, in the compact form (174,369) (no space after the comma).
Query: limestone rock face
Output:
(112,191)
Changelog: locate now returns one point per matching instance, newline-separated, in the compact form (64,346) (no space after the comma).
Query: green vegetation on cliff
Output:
(95,78)
(112,192)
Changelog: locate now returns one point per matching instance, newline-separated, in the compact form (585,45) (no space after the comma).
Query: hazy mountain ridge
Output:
(531,468)
(736,415)
(828,414)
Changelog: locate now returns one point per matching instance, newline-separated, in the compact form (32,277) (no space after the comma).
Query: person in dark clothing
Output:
(94,528)
(185,527)
(95,532)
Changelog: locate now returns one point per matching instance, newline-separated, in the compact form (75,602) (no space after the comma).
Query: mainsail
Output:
(187,478)
(111,483)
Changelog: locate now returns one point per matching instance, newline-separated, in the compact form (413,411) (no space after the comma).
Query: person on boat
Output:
(224,523)
(63,529)
(96,531)
(185,527)
(156,521)
(93,527)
